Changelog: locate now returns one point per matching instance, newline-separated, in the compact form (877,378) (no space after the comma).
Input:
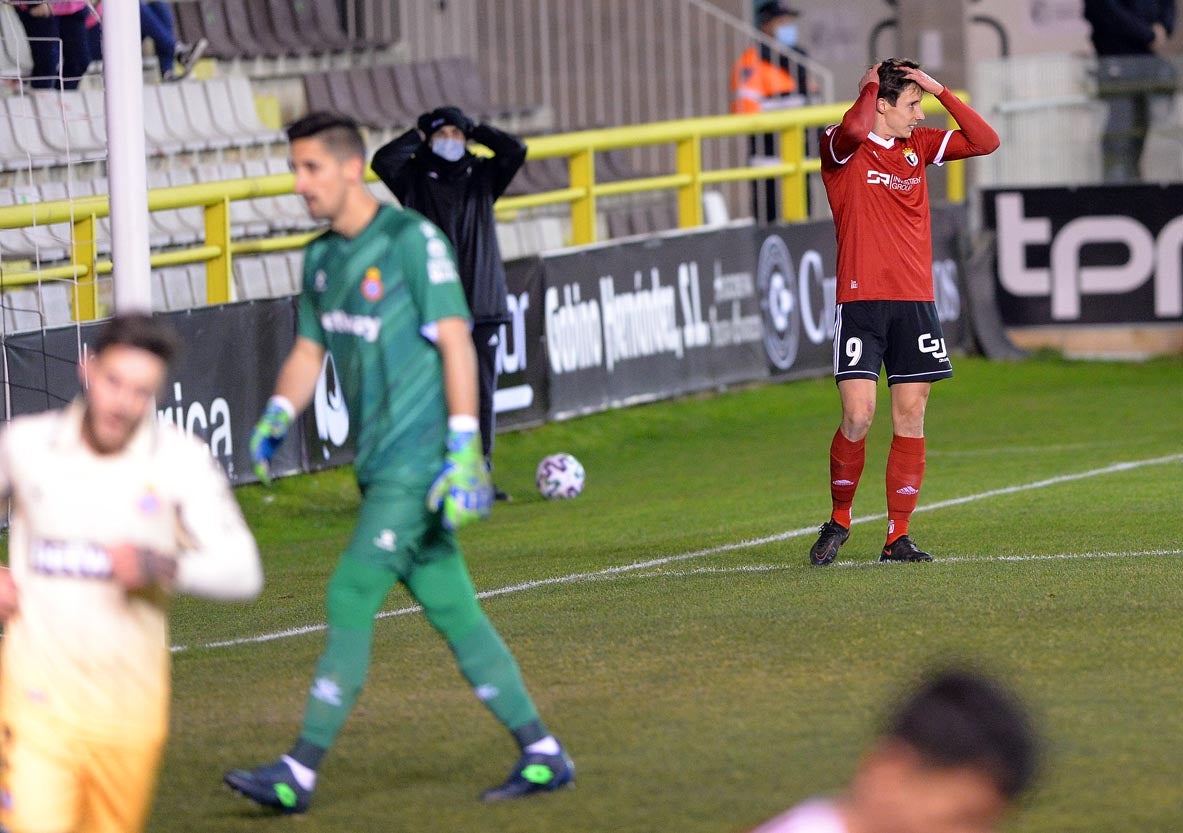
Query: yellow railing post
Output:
(793,205)
(582,168)
(83,255)
(218,270)
(689,163)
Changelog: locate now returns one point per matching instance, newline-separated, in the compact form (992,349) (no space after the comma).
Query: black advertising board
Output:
(651,319)
(522,396)
(1107,254)
(219,384)
(796,268)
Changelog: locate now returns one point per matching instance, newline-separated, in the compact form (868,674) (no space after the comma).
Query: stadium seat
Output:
(279,274)
(365,99)
(96,114)
(245,111)
(403,78)
(239,28)
(382,193)
(282,213)
(207,19)
(258,19)
(178,226)
(178,292)
(326,18)
(166,99)
(461,84)
(550,233)
(341,94)
(283,21)
(12,157)
(56,298)
(296,266)
(201,118)
(193,216)
(159,140)
(508,241)
(159,301)
(714,208)
(244,220)
(292,205)
(42,242)
(65,126)
(27,133)
(250,279)
(197,283)
(22,310)
(428,84)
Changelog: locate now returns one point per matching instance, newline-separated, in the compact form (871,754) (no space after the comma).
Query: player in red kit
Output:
(873,166)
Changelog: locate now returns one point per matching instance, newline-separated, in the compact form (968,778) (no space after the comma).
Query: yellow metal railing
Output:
(580,149)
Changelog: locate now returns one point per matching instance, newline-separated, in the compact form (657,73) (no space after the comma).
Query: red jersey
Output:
(878,194)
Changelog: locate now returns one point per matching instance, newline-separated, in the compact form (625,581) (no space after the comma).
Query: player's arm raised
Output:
(975,136)
(858,120)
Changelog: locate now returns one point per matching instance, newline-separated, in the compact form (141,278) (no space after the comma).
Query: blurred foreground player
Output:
(381,291)
(873,167)
(112,512)
(954,757)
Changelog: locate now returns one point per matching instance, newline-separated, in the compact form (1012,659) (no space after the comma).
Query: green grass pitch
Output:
(727,679)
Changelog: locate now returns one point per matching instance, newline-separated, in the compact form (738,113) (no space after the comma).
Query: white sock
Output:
(547,746)
(304,776)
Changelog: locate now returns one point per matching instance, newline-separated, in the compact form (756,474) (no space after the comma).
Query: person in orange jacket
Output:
(762,81)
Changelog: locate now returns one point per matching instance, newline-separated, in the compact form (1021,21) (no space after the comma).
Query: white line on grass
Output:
(748,544)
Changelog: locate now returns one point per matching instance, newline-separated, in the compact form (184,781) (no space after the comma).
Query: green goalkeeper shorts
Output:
(395,530)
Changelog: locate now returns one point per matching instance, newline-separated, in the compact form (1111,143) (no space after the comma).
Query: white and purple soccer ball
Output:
(559,476)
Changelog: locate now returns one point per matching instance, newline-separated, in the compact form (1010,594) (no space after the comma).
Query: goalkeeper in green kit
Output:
(381,293)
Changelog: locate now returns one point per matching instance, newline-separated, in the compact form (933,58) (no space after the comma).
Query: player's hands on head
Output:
(926,81)
(463,491)
(8,595)
(268,434)
(871,76)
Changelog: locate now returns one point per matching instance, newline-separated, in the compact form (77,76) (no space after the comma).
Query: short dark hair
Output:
(139,330)
(892,80)
(962,719)
(340,134)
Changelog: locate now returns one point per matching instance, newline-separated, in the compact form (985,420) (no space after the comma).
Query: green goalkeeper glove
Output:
(269,433)
(463,491)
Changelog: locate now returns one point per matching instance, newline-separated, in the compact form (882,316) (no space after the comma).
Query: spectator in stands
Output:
(761,81)
(57,41)
(955,756)
(1129,37)
(430,170)
(157,24)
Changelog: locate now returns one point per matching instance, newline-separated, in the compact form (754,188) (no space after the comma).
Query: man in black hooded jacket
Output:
(430,169)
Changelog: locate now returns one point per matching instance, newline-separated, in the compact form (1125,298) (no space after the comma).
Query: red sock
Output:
(905,473)
(846,467)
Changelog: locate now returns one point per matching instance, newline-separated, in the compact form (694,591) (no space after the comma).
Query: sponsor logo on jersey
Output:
(79,559)
(371,285)
(329,408)
(892,181)
(365,327)
(320,281)
(910,157)
(149,503)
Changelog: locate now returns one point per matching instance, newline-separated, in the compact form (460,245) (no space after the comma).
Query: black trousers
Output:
(486,338)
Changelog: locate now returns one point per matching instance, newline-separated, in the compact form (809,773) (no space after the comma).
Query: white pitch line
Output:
(608,572)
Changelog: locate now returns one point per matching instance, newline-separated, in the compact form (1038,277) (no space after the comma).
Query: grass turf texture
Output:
(698,697)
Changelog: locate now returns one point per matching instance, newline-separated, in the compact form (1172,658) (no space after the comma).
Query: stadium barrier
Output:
(216,248)
(602,327)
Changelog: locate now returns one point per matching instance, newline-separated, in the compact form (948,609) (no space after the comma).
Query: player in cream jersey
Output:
(111,513)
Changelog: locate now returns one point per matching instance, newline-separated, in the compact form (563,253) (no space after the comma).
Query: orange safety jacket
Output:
(754,80)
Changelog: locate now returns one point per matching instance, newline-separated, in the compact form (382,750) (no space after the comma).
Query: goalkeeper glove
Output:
(463,491)
(269,433)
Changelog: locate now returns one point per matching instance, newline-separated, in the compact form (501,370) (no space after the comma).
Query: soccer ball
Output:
(559,476)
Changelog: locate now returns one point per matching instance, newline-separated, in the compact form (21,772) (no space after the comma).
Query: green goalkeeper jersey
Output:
(373,301)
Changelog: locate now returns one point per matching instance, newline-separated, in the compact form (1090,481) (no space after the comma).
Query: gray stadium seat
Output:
(56,298)
(201,118)
(427,82)
(279,274)
(245,113)
(96,114)
(238,26)
(22,310)
(194,216)
(65,125)
(259,20)
(403,78)
(391,106)
(293,206)
(283,21)
(176,119)
(178,291)
(197,282)
(296,266)
(159,139)
(15,58)
(27,133)
(250,279)
(178,227)
(508,241)
(320,21)
(244,221)
(462,85)
(365,98)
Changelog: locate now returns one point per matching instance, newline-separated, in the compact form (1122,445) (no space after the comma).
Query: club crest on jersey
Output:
(910,157)
(149,503)
(371,285)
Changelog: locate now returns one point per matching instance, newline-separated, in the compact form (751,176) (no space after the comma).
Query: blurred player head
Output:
(328,157)
(778,21)
(121,377)
(954,756)
(898,105)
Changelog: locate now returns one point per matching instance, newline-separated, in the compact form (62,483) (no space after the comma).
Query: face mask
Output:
(449,149)
(787,34)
